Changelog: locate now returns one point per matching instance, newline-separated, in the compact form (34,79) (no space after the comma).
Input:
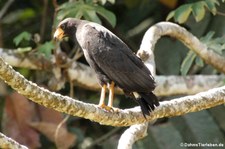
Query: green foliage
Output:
(182,13)
(19,15)
(169,54)
(23,36)
(186,64)
(86,10)
(216,44)
(46,48)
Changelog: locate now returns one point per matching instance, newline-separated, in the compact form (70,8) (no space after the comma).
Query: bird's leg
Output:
(102,97)
(111,97)
(111,94)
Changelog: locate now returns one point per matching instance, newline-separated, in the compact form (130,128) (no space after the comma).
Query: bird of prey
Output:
(113,61)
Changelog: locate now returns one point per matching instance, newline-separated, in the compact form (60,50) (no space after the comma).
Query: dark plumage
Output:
(113,62)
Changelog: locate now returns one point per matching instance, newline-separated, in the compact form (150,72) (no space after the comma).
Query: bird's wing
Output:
(116,60)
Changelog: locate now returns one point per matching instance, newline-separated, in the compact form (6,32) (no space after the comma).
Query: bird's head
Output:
(66,28)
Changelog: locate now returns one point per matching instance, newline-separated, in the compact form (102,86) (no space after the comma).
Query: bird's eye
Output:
(63,26)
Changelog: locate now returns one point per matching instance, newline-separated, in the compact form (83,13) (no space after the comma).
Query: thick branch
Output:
(6,142)
(131,135)
(85,77)
(166,28)
(187,85)
(125,117)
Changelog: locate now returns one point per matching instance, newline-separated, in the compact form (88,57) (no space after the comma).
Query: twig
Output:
(5,8)
(104,137)
(220,13)
(56,135)
(55,4)
(43,20)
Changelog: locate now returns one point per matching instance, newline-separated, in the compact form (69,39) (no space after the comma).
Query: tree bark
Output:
(6,142)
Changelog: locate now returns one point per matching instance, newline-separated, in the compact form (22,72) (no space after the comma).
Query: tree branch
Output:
(43,19)
(166,28)
(6,142)
(125,117)
(131,135)
(84,76)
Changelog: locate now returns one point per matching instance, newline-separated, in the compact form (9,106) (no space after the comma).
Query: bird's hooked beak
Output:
(59,34)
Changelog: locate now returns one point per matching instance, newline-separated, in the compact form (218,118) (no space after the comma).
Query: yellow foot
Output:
(108,108)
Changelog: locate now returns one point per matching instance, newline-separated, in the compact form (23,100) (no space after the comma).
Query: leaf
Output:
(18,113)
(198,11)
(22,36)
(208,36)
(171,15)
(199,62)
(211,5)
(88,10)
(216,44)
(186,64)
(46,48)
(68,9)
(92,16)
(108,15)
(182,13)
(65,139)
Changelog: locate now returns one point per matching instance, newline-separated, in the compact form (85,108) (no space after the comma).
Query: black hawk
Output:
(113,62)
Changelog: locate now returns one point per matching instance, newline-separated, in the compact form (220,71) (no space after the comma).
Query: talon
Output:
(108,108)
(105,107)
(116,110)
(101,104)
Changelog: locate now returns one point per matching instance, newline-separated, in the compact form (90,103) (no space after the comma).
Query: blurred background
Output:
(26,28)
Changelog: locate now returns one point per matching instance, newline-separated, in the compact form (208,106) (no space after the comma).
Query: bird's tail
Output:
(148,102)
